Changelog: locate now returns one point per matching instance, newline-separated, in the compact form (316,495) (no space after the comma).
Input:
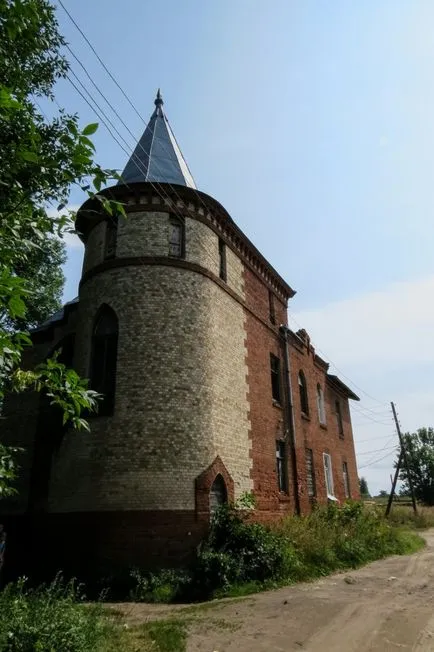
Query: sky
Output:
(312,122)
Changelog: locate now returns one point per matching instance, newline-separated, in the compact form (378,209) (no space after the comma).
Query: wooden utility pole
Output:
(402,458)
(394,481)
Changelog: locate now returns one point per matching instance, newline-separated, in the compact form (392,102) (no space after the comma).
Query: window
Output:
(222,260)
(276,390)
(176,237)
(339,419)
(111,236)
(304,404)
(321,405)
(271,307)
(328,475)
(346,480)
(218,494)
(310,473)
(104,357)
(282,478)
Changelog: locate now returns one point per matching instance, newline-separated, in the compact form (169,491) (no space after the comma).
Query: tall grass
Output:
(240,557)
(50,618)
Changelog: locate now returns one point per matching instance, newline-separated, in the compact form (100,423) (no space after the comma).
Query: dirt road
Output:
(386,606)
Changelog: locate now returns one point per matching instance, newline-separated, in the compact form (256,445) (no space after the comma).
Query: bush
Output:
(238,553)
(49,619)
(164,586)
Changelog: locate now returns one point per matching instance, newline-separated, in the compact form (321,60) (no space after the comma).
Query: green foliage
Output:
(167,635)
(364,491)
(405,516)
(164,586)
(239,557)
(420,455)
(8,470)
(39,161)
(49,619)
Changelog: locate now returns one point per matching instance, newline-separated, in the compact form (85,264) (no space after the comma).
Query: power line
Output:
(119,118)
(378,450)
(99,58)
(382,403)
(363,441)
(98,112)
(123,93)
(373,463)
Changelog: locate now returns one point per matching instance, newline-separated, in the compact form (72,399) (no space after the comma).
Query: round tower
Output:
(161,333)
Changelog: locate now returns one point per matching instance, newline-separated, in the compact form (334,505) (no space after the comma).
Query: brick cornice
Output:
(139,261)
(143,197)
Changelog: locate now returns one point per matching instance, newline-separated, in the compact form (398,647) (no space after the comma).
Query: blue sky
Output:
(311,122)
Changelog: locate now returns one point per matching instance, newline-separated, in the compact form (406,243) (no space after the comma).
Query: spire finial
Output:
(158,100)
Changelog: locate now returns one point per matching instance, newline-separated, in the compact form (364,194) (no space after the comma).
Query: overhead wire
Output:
(101,114)
(121,89)
(124,124)
(363,410)
(341,373)
(374,462)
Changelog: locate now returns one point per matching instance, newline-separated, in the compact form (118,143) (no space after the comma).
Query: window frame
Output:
(276,378)
(321,405)
(302,390)
(328,475)
(339,419)
(104,351)
(111,237)
(310,473)
(281,466)
(346,478)
(175,221)
(220,483)
(223,271)
(271,307)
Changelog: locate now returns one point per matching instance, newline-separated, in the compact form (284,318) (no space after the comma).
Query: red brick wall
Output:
(269,421)
(321,439)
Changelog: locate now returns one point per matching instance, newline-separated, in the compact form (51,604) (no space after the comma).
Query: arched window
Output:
(339,419)
(103,358)
(218,494)
(304,403)
(321,404)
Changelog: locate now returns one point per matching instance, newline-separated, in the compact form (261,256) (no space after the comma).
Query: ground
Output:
(386,606)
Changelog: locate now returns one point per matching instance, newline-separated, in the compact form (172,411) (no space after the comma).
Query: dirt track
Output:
(388,605)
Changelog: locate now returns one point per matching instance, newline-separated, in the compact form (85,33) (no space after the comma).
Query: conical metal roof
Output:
(157,156)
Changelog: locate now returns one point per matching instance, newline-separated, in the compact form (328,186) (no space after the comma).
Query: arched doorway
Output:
(218,494)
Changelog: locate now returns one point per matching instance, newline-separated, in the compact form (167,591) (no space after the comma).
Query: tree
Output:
(364,491)
(42,271)
(39,161)
(383,493)
(420,456)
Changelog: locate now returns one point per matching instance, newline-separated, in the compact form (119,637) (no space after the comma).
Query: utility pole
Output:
(394,481)
(402,458)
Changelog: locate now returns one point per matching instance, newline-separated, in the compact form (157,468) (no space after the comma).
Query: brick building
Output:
(182,324)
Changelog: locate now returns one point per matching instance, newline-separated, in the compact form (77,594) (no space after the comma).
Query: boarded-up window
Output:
(310,473)
(346,480)
(218,494)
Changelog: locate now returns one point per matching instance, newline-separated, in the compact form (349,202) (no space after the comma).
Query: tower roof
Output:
(157,156)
